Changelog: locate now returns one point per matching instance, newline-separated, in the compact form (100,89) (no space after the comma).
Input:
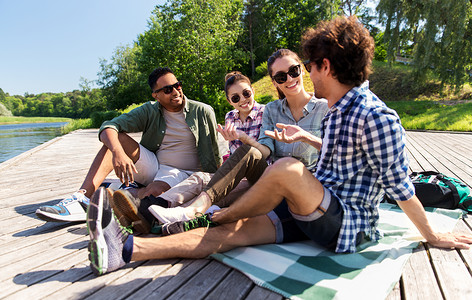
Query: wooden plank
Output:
(259,293)
(45,270)
(90,284)
(418,277)
(395,294)
(34,235)
(20,252)
(454,279)
(171,280)
(234,286)
(202,283)
(415,150)
(35,261)
(134,280)
(444,161)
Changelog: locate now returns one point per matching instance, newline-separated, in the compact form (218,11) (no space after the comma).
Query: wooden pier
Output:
(49,260)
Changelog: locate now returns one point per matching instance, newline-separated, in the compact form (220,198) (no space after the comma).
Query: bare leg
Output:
(102,164)
(201,242)
(287,178)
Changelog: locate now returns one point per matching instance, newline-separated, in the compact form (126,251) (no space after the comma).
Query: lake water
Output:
(18,138)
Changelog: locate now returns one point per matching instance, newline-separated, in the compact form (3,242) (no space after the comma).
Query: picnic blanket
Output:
(304,270)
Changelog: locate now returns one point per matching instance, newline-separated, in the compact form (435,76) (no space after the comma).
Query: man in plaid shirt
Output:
(362,154)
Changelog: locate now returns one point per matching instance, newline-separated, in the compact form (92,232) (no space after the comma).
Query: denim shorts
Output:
(322,226)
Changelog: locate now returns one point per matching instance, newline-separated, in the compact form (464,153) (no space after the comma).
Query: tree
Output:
(269,25)
(4,111)
(120,79)
(196,39)
(436,34)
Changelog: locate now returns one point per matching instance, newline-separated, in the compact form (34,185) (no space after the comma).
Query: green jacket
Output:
(149,119)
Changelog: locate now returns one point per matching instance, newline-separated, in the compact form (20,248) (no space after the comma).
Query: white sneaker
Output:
(73,209)
(170,215)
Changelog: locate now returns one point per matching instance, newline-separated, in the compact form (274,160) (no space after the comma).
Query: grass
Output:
(17,120)
(77,124)
(430,115)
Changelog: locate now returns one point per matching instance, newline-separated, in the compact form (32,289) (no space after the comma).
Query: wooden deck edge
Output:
(439,131)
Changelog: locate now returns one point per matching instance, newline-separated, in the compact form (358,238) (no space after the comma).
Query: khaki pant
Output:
(224,186)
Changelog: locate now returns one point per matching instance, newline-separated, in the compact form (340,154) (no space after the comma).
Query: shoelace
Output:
(74,197)
(199,221)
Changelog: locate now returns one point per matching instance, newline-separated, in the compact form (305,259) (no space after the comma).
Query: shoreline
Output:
(25,120)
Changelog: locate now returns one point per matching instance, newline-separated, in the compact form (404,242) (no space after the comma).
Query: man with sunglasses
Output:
(179,137)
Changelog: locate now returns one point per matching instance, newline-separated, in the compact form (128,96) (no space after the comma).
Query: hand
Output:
(124,167)
(452,240)
(229,132)
(289,133)
(155,188)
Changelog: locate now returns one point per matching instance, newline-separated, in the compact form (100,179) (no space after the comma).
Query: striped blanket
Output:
(303,270)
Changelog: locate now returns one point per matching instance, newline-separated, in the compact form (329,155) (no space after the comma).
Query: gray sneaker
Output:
(107,236)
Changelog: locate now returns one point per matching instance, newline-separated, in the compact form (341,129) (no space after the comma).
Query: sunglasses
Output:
(170,88)
(246,94)
(281,77)
(307,64)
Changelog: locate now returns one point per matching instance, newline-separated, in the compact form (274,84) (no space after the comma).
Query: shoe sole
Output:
(50,217)
(97,246)
(128,213)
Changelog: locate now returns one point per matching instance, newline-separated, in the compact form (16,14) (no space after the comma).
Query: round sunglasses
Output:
(293,71)
(246,94)
(169,88)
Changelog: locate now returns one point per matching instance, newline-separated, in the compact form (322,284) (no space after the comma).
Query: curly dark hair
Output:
(346,43)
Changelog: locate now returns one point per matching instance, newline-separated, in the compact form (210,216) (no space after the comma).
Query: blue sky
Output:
(47,45)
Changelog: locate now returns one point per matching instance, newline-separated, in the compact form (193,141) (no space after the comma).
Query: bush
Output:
(99,117)
(4,111)
(397,83)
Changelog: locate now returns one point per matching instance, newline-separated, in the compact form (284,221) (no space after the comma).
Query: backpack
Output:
(435,189)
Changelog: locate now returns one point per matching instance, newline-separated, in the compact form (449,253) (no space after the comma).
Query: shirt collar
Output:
(252,113)
(306,109)
(350,96)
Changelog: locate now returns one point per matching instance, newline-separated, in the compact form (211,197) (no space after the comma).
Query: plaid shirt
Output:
(362,156)
(251,126)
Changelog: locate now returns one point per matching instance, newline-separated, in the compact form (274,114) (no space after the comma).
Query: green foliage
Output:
(77,124)
(74,104)
(269,25)
(4,111)
(121,80)
(98,117)
(262,70)
(202,36)
(380,47)
(436,34)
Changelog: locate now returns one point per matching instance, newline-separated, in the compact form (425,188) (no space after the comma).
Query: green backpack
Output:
(435,189)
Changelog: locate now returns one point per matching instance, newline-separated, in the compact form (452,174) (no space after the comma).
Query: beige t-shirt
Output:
(178,148)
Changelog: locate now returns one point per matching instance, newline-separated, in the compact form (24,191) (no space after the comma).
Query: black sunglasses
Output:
(169,88)
(281,77)
(307,64)
(236,98)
